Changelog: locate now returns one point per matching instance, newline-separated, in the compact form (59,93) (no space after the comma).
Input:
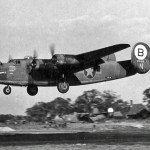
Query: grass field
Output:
(133,125)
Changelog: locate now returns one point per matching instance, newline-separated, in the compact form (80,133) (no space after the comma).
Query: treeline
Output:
(4,118)
(83,104)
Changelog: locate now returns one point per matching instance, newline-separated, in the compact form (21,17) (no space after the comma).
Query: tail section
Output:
(140,57)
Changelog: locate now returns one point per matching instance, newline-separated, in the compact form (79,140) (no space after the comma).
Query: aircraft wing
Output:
(94,55)
(75,63)
(93,58)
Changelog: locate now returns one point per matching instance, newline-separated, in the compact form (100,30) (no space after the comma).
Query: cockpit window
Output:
(16,62)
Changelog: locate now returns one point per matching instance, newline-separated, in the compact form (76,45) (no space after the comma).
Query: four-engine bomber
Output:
(71,70)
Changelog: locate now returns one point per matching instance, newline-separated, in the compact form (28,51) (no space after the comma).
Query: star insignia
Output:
(89,73)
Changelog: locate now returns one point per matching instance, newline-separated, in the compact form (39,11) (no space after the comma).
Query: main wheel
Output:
(63,87)
(32,90)
(7,90)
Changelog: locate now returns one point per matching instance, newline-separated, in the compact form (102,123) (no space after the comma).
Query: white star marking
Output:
(89,72)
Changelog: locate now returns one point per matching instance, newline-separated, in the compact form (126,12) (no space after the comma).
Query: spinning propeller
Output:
(33,63)
(9,58)
(52,49)
(35,55)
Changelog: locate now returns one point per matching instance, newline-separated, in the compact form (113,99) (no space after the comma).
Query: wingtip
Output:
(123,46)
(127,45)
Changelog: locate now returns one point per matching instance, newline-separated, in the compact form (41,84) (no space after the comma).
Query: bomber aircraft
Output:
(64,70)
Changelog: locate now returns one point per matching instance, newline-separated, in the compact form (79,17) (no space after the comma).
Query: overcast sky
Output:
(75,26)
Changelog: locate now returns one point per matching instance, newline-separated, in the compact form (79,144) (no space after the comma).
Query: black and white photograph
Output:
(74,74)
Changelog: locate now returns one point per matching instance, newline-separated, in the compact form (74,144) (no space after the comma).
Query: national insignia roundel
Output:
(89,73)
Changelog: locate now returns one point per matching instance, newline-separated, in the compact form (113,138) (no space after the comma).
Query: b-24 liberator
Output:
(64,70)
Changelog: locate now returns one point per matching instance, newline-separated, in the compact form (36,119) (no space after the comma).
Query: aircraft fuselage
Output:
(17,73)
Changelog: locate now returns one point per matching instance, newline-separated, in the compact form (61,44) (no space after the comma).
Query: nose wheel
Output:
(7,90)
(63,86)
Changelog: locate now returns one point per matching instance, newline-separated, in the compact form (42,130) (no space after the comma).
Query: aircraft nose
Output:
(3,75)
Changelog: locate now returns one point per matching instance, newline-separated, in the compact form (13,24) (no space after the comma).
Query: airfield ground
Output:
(122,125)
(110,131)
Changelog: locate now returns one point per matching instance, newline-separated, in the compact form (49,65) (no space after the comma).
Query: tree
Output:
(109,98)
(146,97)
(4,118)
(101,100)
(84,102)
(38,111)
(120,105)
(58,106)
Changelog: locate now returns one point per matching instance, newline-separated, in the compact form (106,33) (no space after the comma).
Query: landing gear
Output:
(63,86)
(7,90)
(32,90)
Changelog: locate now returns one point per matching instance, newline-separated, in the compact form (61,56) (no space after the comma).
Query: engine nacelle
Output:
(140,57)
(59,59)
(64,60)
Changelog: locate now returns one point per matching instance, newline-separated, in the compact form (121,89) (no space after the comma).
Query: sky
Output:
(74,27)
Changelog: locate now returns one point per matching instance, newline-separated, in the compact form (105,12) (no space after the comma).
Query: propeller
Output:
(35,55)
(10,57)
(52,49)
